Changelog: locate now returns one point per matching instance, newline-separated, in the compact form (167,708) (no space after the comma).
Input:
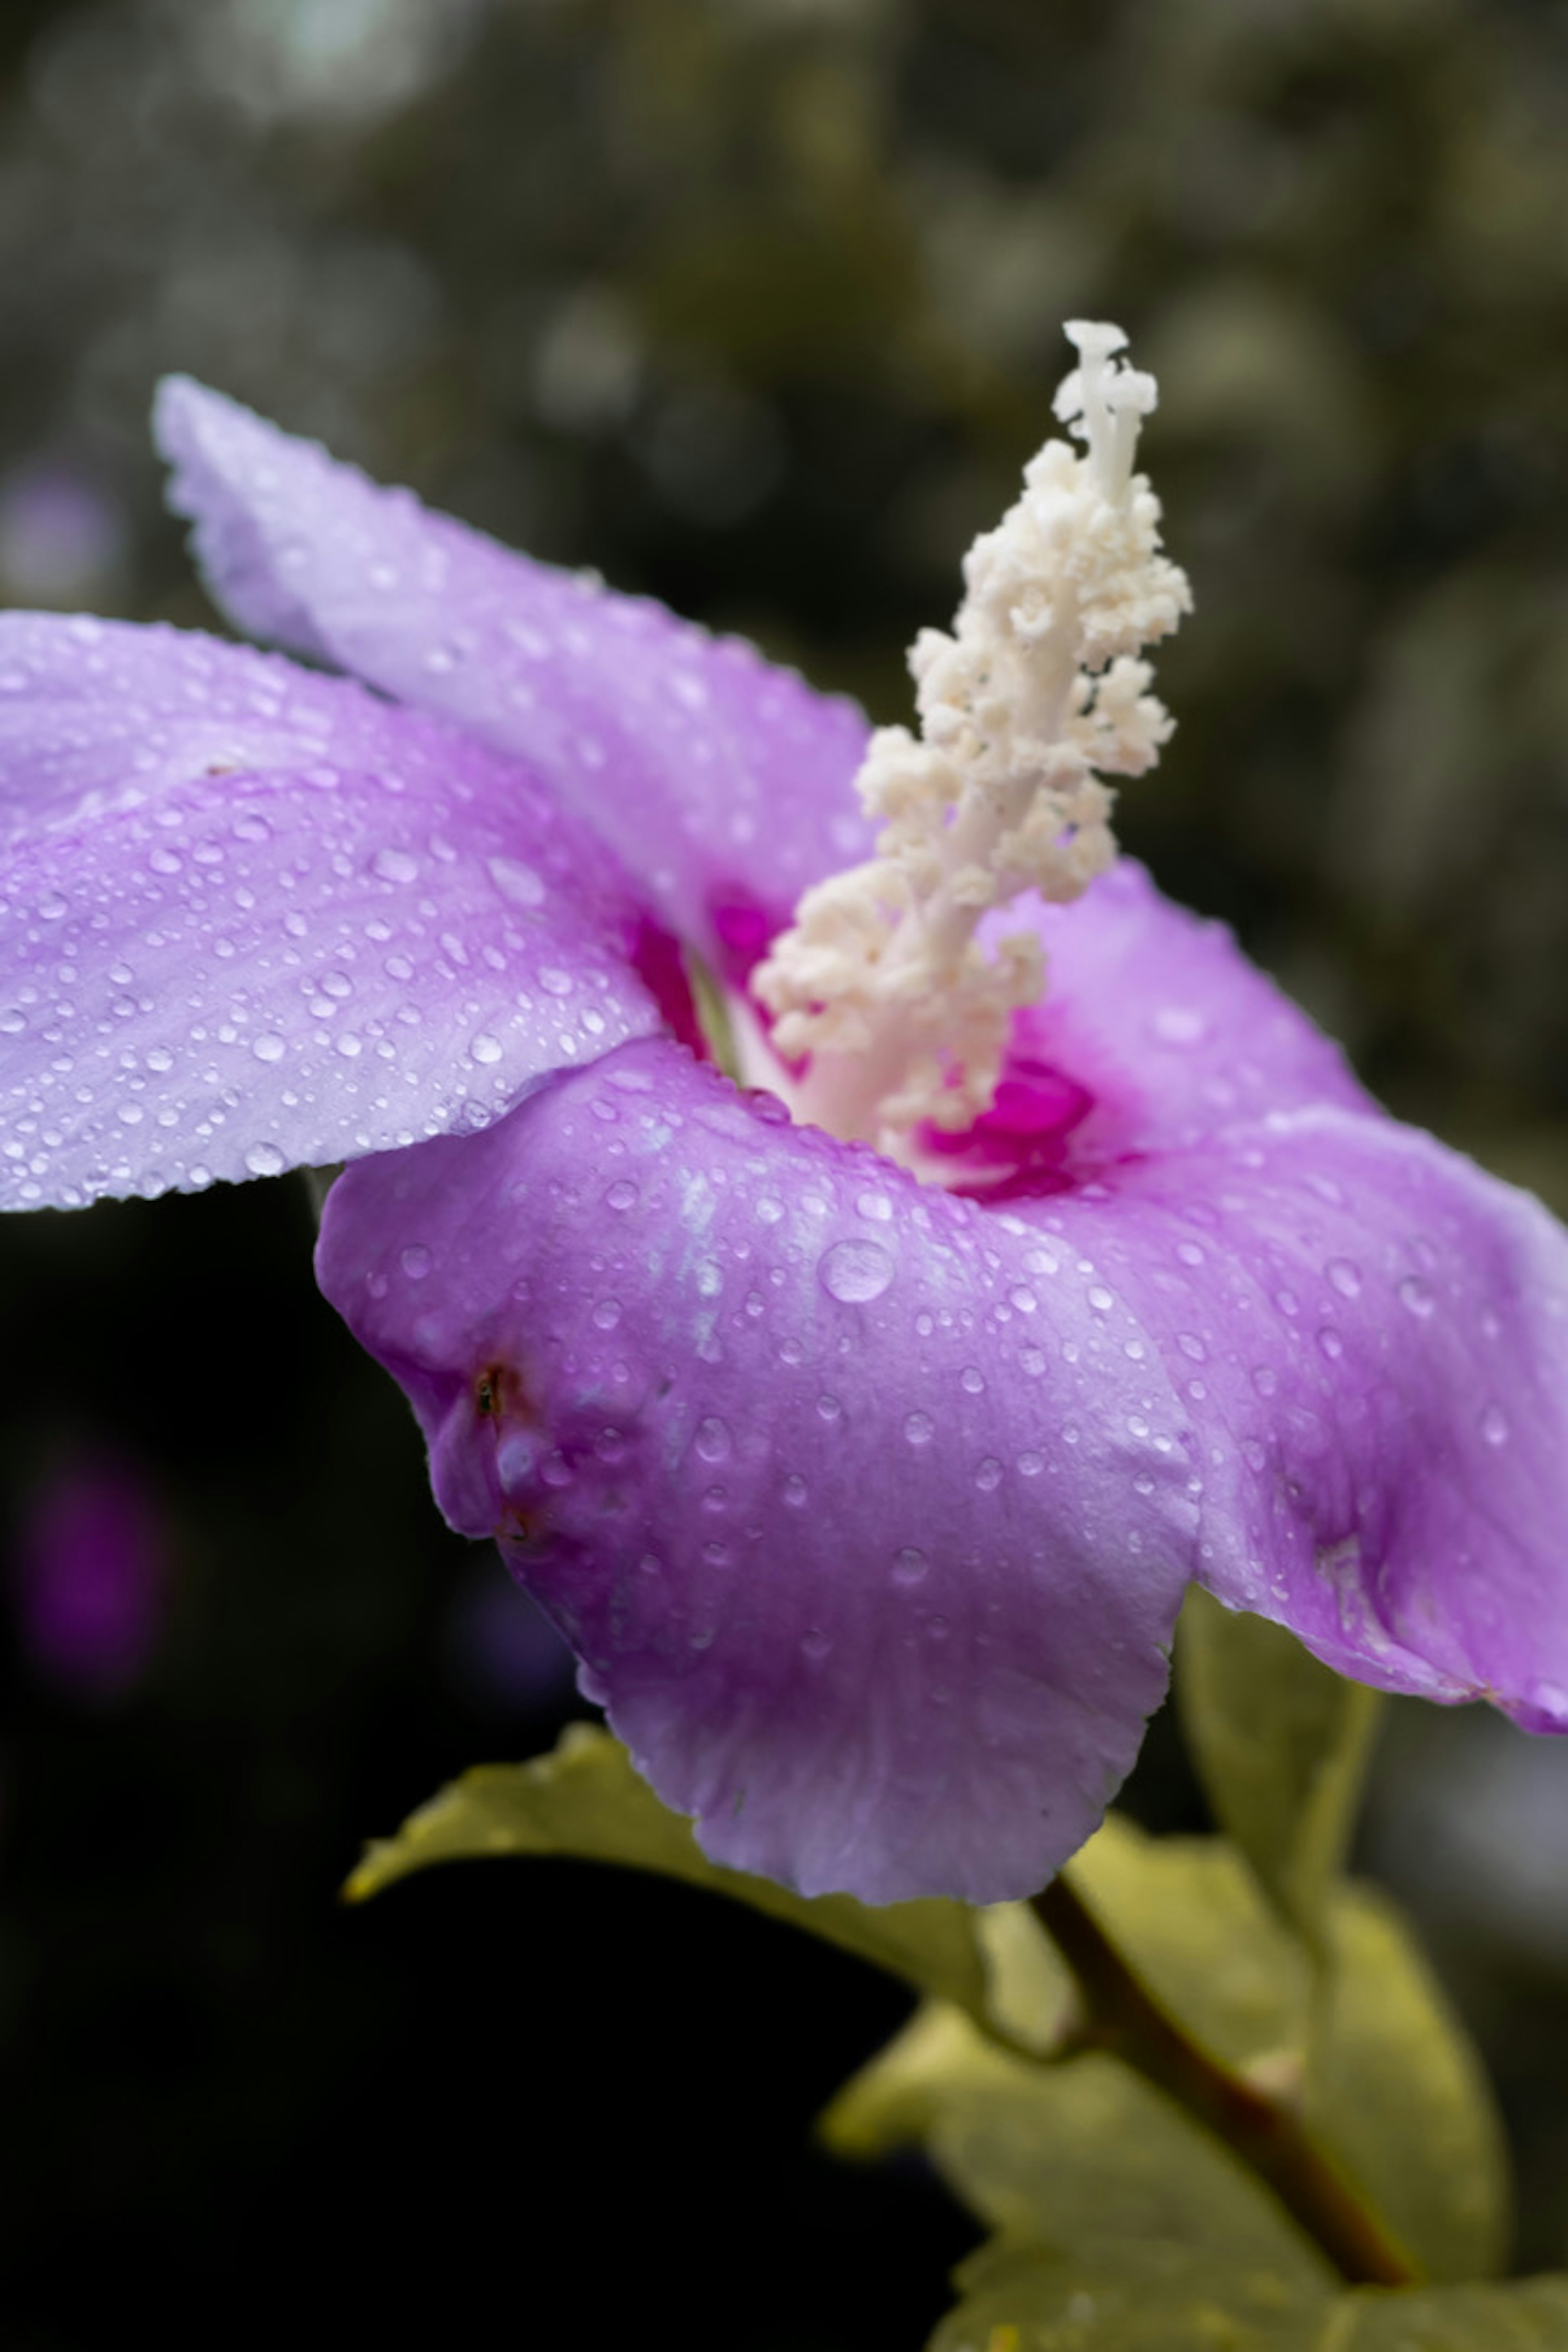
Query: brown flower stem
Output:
(1124,2018)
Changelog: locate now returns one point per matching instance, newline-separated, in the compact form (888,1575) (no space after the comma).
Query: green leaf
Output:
(1391,2088)
(588,1800)
(1281,1743)
(1524,2316)
(1025,2299)
(1084,2158)
(1021,2299)
(1186,1913)
(1389,2082)
(1121,2226)
(1397,2092)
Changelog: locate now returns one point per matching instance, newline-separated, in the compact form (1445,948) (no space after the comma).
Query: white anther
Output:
(879,982)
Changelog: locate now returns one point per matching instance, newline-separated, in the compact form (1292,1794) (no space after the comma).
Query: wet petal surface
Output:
(251,918)
(1161,1025)
(723,782)
(867,1509)
(1371,1338)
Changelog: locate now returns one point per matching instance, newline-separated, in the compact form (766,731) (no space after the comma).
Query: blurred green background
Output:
(754,305)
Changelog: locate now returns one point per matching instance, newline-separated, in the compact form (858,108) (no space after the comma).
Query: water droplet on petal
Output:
(622,1194)
(265,1160)
(1419,1296)
(484,1047)
(909,1565)
(1179,1024)
(855,1272)
(515,881)
(919,1428)
(1345,1276)
(713,1439)
(416,1260)
(269,1046)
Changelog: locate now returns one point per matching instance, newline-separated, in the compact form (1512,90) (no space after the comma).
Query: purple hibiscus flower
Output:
(866,1487)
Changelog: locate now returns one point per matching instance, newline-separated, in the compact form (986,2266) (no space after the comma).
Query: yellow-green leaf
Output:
(1397,2093)
(586,1800)
(1026,2299)
(1075,2158)
(1281,1743)
(1387,2082)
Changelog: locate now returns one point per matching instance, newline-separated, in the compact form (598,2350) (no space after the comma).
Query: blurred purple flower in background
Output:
(62,538)
(90,1575)
(868,1503)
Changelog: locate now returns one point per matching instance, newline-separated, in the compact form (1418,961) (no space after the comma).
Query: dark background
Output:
(753,304)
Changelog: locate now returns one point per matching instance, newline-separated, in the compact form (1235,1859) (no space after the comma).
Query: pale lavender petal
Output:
(251,917)
(1372,1339)
(722,782)
(1141,986)
(1154,1032)
(866,1508)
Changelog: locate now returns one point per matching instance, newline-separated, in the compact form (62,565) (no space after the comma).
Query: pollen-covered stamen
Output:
(881,982)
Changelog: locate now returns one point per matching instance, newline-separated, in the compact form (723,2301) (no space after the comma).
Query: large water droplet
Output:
(919,1428)
(515,881)
(1179,1024)
(265,1160)
(713,1439)
(484,1047)
(269,1046)
(856,1271)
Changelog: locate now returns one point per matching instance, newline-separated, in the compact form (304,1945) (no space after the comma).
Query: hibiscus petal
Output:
(1373,1336)
(250,916)
(1161,1018)
(868,1522)
(721,780)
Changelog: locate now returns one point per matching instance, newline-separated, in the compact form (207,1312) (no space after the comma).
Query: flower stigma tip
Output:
(881,987)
